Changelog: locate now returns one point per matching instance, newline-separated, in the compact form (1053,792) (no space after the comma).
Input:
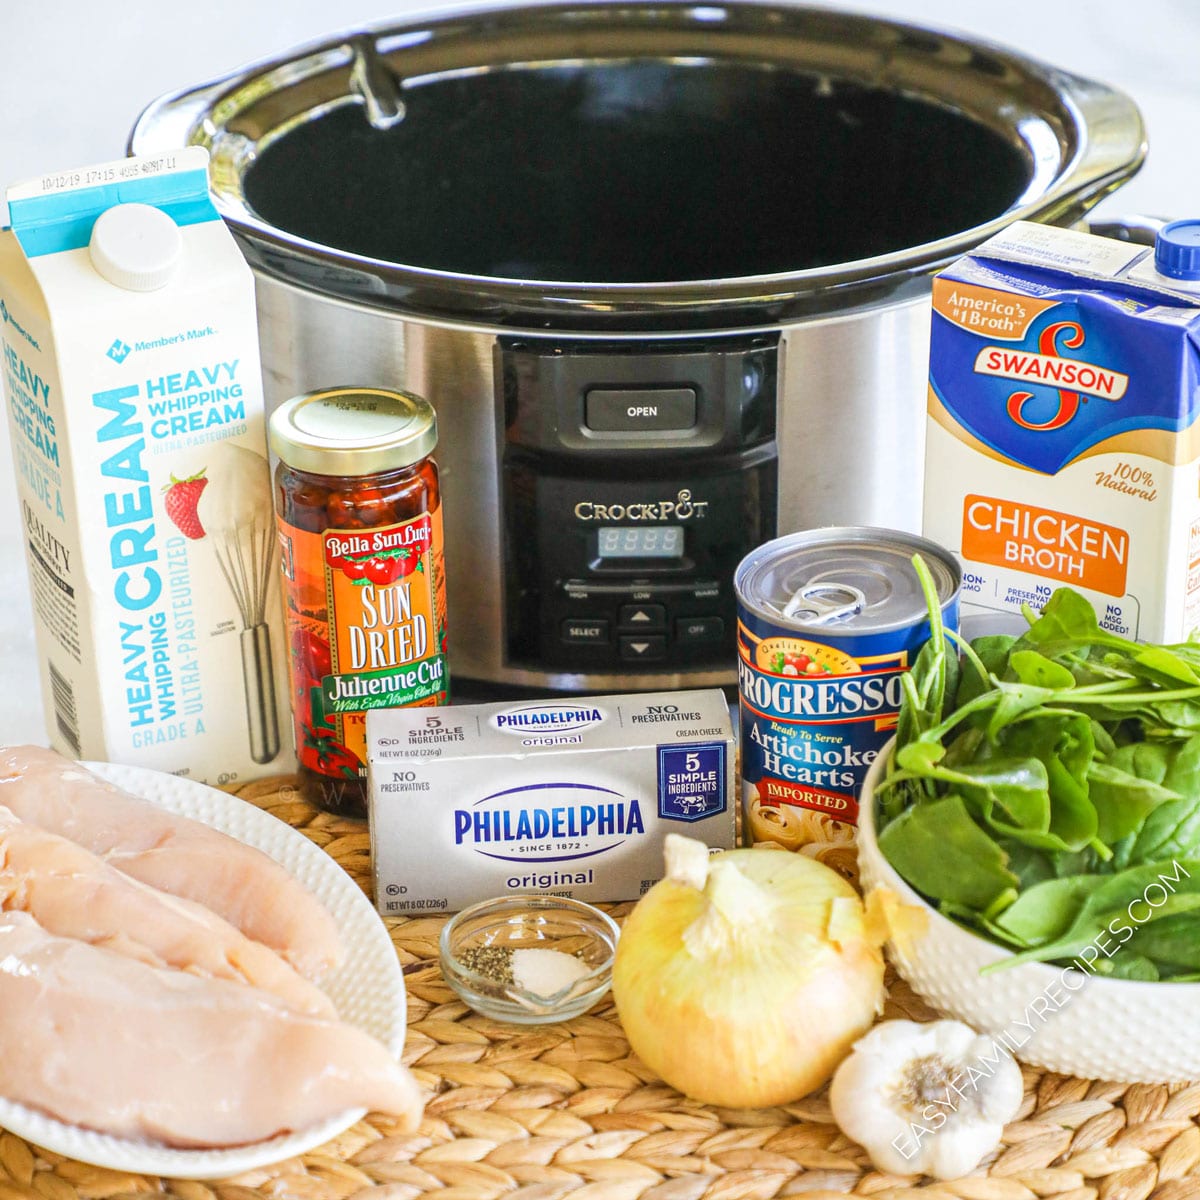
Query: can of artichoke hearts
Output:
(828,622)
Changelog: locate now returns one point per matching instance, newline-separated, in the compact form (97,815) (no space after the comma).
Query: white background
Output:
(74,74)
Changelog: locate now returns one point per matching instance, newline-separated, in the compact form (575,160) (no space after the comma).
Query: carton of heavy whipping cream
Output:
(1063,446)
(558,797)
(134,396)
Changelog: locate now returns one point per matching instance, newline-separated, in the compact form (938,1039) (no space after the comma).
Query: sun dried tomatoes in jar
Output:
(360,523)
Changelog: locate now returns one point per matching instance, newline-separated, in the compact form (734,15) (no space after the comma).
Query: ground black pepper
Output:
(492,962)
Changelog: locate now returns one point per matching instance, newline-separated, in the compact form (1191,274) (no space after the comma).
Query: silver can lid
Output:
(857,579)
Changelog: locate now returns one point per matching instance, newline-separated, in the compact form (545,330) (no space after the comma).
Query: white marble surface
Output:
(75,73)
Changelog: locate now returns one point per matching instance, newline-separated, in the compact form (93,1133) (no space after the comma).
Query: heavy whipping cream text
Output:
(1062,449)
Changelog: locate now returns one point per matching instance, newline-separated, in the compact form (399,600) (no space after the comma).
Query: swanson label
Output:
(1044,382)
(366,620)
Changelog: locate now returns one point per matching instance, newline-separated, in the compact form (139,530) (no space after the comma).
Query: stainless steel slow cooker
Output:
(663,270)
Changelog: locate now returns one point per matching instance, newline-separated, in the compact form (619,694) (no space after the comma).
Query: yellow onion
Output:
(744,979)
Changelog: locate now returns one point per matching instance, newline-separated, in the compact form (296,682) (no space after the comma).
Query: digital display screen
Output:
(641,541)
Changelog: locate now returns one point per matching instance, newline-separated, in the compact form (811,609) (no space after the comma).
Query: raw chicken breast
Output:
(171,853)
(104,1041)
(72,893)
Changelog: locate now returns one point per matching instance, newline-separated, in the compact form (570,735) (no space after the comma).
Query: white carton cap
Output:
(136,247)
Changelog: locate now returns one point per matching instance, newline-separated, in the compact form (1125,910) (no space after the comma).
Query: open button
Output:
(634,410)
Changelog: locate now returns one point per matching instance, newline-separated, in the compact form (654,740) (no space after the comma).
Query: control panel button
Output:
(636,648)
(636,410)
(579,631)
(643,616)
(699,629)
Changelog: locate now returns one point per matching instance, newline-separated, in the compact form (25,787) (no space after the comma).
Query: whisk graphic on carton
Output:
(235,514)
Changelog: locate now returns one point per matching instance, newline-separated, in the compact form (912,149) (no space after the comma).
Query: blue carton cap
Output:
(1177,250)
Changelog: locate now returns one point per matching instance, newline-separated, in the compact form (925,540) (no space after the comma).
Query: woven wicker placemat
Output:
(565,1112)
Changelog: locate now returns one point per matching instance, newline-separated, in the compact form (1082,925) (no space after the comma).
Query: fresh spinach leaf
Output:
(1083,862)
(1068,622)
(1147,760)
(938,849)
(1104,741)
(1047,910)
(1113,912)
(1014,701)
(1028,666)
(992,655)
(1042,787)
(978,923)
(1179,717)
(1018,786)
(1158,663)
(1065,744)
(1029,864)
(1173,940)
(1123,799)
(1172,830)
(1073,817)
(1127,965)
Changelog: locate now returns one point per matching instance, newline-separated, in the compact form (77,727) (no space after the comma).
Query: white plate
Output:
(368,988)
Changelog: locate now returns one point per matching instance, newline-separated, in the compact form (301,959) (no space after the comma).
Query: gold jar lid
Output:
(353,431)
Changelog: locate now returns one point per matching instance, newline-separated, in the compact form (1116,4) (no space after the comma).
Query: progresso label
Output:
(828,623)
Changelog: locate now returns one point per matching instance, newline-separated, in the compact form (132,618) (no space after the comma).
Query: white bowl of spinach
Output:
(1042,799)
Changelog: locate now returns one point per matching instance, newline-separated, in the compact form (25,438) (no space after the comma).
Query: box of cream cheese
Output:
(134,395)
(558,797)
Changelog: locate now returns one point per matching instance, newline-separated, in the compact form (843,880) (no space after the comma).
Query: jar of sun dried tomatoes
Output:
(360,531)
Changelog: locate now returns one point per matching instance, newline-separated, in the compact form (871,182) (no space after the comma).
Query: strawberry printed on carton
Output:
(180,499)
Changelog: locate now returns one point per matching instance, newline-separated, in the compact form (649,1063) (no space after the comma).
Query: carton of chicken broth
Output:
(558,797)
(134,396)
(1064,387)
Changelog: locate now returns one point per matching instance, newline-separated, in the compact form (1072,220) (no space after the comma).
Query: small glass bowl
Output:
(529,922)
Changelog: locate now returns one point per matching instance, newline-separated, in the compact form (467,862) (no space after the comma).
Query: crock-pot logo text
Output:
(683,508)
(1075,380)
(548,822)
(548,718)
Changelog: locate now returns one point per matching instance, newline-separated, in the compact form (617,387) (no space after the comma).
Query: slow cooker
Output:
(662,269)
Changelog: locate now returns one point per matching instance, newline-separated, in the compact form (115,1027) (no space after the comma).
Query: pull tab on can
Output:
(824,603)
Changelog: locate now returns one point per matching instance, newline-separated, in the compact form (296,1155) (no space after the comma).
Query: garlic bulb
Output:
(928,1099)
(743,979)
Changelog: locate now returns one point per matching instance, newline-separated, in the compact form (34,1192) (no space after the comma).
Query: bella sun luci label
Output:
(370,606)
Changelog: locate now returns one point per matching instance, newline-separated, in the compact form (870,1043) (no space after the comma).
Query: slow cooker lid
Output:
(597,163)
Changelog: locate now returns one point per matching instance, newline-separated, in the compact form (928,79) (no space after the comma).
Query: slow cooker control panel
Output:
(636,476)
